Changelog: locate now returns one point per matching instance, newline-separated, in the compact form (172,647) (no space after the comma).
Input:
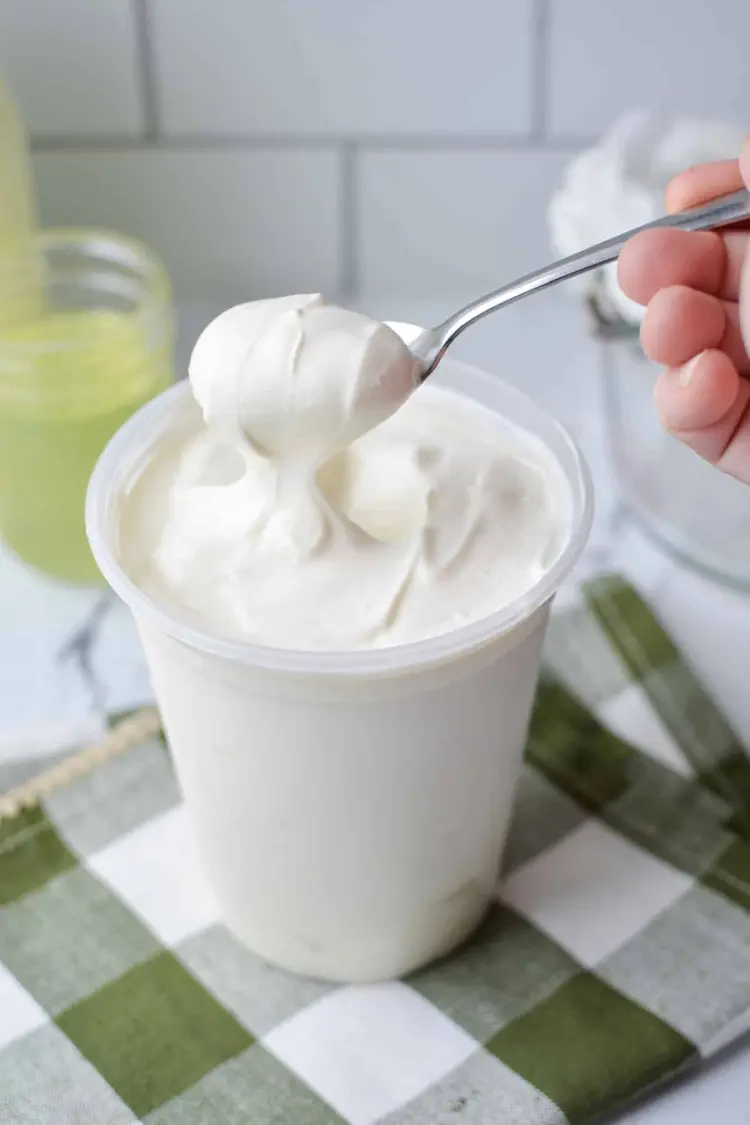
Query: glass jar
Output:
(97,348)
(18,290)
(699,514)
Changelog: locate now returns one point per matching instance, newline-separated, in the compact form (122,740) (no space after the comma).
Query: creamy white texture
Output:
(297,377)
(267,521)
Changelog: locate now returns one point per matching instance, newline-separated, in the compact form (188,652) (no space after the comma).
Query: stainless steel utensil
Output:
(431,345)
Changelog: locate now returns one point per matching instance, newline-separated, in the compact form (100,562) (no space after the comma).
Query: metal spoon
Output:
(431,345)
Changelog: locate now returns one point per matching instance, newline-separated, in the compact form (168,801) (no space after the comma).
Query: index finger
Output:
(703,183)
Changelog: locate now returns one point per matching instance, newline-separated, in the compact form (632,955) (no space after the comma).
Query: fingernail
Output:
(688,370)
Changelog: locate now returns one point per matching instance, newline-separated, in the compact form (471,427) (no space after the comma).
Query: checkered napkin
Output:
(618,952)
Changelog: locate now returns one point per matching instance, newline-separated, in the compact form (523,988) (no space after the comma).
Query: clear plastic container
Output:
(700,515)
(350,808)
(96,347)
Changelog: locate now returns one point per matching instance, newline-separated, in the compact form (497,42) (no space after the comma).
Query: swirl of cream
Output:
(298,378)
(293,517)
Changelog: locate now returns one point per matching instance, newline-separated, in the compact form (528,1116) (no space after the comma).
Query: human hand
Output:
(697,289)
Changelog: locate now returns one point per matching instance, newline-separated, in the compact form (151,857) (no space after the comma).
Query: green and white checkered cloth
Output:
(618,952)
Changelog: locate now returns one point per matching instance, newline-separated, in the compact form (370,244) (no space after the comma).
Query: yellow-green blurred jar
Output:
(97,348)
(18,290)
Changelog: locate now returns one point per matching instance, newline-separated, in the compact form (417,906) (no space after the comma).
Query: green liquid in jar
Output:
(91,369)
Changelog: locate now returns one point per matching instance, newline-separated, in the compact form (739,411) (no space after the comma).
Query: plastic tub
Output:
(350,808)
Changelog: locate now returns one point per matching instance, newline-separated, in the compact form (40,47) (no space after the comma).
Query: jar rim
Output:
(107,246)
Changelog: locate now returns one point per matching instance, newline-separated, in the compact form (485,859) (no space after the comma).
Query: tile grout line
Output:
(348,219)
(499,143)
(540,71)
(146,66)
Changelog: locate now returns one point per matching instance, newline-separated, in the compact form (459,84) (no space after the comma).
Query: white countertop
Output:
(70,655)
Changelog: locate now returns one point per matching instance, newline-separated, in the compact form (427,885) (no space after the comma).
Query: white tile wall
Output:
(385,146)
(232,224)
(378,66)
(430,222)
(611,56)
(73,65)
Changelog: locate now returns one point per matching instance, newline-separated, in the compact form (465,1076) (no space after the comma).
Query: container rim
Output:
(369,663)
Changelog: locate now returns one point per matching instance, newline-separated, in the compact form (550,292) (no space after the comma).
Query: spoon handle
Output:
(725,210)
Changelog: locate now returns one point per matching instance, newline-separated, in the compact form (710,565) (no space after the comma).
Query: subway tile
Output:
(402,67)
(72,65)
(453,221)
(231,225)
(608,57)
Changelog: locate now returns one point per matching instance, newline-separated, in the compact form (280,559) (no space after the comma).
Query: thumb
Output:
(704,182)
